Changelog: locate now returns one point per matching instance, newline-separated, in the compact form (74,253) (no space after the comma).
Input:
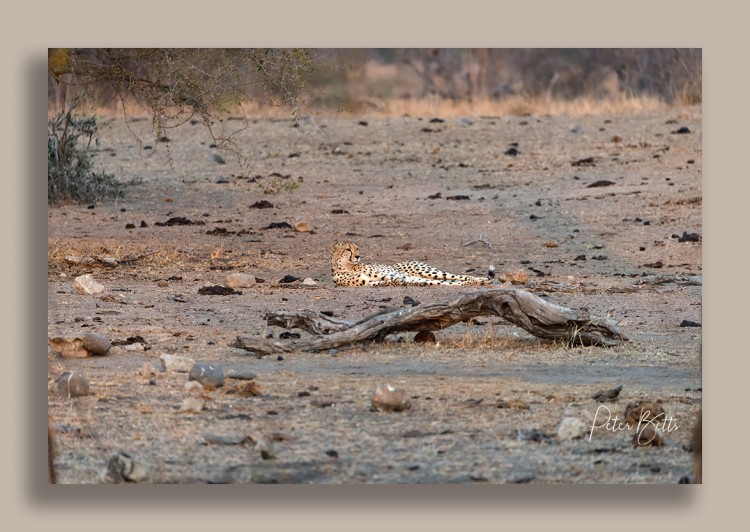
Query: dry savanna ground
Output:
(593,208)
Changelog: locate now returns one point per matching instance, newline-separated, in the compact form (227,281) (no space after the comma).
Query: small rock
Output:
(162,284)
(387,398)
(96,344)
(303,227)
(209,375)
(408,300)
(194,387)
(177,363)
(192,404)
(240,373)
(688,323)
(148,370)
(309,281)
(608,395)
(121,468)
(68,347)
(689,237)
(72,384)
(86,284)
(551,244)
(516,277)
(648,436)
(133,347)
(681,131)
(425,337)
(571,428)
(240,280)
(600,183)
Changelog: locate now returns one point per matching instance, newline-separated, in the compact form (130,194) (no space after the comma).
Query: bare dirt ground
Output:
(487,399)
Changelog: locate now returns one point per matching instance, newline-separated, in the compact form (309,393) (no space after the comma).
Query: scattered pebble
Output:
(683,130)
(148,370)
(86,284)
(387,398)
(192,404)
(688,323)
(96,344)
(551,244)
(600,183)
(121,468)
(289,279)
(177,363)
(571,428)
(608,395)
(240,280)
(408,300)
(194,387)
(217,290)
(209,375)
(309,281)
(162,284)
(303,227)
(689,237)
(72,384)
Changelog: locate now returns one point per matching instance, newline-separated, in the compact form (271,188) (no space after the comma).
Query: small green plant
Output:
(71,177)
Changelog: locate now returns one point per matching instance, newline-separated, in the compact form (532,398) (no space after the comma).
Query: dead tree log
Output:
(519,307)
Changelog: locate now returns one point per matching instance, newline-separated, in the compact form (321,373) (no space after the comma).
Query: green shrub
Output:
(71,177)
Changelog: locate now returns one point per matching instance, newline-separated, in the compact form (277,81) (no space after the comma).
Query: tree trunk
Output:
(519,307)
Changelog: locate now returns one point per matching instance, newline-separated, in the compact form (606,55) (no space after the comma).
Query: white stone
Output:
(239,280)
(309,280)
(86,284)
(571,428)
(176,363)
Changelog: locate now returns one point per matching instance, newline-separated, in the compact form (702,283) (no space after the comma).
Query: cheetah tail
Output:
(491,272)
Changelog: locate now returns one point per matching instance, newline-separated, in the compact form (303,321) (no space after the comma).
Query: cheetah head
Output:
(345,254)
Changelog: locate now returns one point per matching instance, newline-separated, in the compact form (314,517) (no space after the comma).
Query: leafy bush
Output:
(71,177)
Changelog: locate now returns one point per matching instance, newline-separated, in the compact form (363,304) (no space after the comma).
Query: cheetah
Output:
(348,271)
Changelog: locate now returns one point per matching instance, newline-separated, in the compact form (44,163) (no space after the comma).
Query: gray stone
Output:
(387,398)
(239,280)
(176,363)
(96,344)
(209,375)
(121,468)
(571,428)
(72,384)
(86,284)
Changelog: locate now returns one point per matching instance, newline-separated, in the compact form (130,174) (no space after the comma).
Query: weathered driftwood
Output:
(522,308)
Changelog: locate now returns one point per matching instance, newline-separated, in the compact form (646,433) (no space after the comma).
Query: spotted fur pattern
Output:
(347,270)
